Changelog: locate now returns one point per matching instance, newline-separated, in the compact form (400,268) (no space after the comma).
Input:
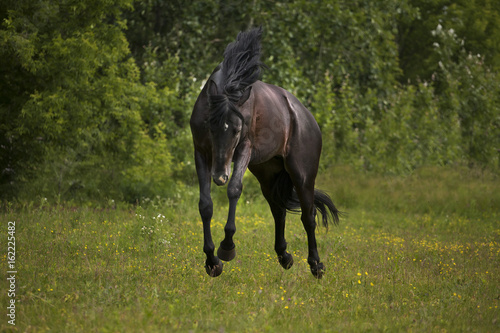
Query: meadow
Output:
(417,253)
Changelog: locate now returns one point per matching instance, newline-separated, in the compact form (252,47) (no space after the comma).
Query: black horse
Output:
(264,128)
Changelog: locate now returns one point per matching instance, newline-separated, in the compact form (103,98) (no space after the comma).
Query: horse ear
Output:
(245,96)
(212,88)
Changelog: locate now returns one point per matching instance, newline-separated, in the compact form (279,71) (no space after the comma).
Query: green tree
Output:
(96,95)
(476,23)
(71,101)
(469,90)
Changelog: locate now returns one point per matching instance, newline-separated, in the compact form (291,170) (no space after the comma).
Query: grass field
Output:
(418,253)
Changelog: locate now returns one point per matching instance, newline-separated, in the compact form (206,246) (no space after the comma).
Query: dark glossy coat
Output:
(264,128)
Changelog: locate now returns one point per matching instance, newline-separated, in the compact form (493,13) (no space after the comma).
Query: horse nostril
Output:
(221,180)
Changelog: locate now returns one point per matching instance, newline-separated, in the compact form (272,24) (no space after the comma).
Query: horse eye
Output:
(226,126)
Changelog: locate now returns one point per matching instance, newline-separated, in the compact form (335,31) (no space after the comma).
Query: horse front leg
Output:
(213,265)
(227,248)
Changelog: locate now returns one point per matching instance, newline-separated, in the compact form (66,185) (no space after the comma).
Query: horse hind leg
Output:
(284,258)
(308,218)
(279,201)
(309,222)
(304,187)
(269,176)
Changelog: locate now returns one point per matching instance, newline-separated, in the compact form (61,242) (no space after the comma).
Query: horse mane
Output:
(240,68)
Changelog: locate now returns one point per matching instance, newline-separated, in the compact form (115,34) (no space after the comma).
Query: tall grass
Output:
(434,190)
(419,253)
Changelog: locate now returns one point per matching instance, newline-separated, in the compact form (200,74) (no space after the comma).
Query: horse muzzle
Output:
(220,180)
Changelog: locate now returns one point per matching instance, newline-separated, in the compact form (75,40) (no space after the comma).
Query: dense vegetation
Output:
(96,95)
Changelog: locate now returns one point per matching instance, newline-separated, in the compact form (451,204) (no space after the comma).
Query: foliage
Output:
(74,109)
(477,22)
(96,95)
(470,91)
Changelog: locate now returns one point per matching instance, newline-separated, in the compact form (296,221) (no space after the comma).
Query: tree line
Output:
(96,95)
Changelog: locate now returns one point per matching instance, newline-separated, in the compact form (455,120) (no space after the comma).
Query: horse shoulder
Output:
(197,122)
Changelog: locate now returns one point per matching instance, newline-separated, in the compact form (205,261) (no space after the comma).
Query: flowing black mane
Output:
(239,70)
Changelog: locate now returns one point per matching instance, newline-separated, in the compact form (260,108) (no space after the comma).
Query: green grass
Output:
(417,253)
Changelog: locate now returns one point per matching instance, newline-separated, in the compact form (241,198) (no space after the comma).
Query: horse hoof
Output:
(226,255)
(214,270)
(286,260)
(318,270)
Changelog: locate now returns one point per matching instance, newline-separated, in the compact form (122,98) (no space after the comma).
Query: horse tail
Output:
(240,68)
(325,206)
(283,194)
